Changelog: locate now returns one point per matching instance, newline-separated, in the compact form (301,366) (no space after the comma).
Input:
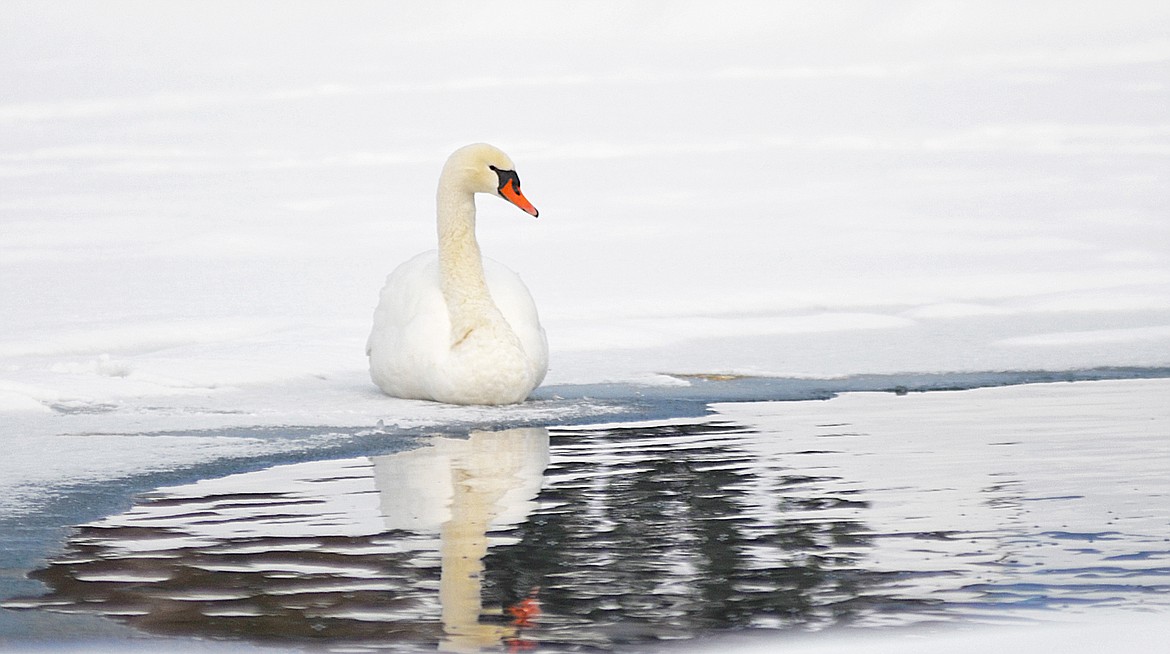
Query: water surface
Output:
(1031,503)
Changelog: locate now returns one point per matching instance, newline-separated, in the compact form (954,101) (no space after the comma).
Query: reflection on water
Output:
(664,532)
(383,550)
(631,535)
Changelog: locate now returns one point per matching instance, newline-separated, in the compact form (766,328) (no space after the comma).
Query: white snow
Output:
(199,203)
(1124,634)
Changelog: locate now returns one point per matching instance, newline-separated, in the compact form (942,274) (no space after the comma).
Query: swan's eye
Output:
(507,178)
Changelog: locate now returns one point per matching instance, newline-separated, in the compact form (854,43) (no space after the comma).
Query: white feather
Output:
(462,346)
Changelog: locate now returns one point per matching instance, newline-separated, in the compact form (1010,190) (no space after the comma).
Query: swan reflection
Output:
(621,535)
(343,551)
(463,489)
(628,536)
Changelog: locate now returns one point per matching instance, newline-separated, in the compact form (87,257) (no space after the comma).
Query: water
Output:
(868,511)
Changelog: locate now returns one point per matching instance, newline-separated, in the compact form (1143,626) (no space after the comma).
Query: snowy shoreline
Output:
(905,424)
(774,202)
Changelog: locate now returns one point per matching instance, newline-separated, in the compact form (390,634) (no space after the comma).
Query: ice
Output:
(198,207)
(196,222)
(1120,634)
(1062,339)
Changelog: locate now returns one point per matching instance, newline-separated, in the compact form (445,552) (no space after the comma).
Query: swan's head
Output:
(483,168)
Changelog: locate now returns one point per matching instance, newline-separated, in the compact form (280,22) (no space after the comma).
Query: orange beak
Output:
(511,193)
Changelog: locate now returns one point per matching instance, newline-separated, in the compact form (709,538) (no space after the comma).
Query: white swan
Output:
(451,326)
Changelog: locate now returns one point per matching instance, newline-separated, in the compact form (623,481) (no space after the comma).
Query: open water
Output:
(1034,503)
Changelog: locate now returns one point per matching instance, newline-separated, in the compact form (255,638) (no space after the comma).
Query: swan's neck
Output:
(461,273)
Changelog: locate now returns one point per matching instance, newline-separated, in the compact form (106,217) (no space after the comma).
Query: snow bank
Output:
(197,221)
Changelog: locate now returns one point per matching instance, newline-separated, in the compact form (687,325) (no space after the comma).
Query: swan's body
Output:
(451,326)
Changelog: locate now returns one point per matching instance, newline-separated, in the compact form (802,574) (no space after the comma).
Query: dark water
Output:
(866,512)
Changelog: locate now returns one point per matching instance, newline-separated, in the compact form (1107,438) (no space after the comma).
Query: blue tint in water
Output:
(870,511)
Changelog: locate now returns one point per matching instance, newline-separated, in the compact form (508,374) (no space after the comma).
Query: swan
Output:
(452,326)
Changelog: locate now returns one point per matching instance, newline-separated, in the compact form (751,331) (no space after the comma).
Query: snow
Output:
(199,204)
(1124,634)
(199,207)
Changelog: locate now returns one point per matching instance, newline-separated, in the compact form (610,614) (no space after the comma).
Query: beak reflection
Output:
(337,551)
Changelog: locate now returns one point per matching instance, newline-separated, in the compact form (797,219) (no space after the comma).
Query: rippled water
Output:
(869,510)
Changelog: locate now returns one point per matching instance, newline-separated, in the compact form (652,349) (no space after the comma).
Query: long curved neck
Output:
(460,264)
